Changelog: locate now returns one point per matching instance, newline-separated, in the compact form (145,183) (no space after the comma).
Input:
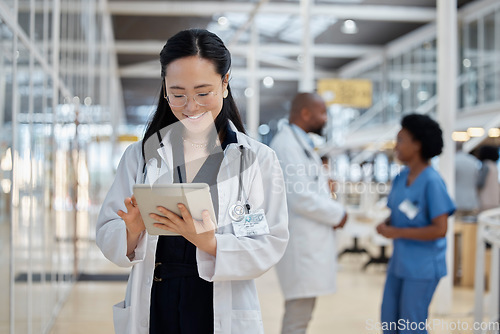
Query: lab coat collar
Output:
(165,151)
(305,145)
(241,137)
(302,134)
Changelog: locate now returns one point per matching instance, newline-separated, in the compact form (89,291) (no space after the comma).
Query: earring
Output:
(226,92)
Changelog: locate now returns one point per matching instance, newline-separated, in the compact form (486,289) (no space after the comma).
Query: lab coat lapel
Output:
(230,164)
(303,144)
(232,153)
(165,173)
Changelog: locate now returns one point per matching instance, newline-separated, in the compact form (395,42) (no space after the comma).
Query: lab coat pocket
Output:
(246,321)
(121,315)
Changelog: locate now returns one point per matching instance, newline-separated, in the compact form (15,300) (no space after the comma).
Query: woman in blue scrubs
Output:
(420,207)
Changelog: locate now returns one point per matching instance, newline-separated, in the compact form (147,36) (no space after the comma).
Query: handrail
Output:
(368,115)
(488,231)
(378,108)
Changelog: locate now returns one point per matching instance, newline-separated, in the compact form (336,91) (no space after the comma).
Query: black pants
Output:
(181,302)
(179,305)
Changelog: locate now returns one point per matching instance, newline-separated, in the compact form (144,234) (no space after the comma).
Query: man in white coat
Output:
(308,268)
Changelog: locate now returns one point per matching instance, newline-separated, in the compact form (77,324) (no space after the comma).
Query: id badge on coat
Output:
(253,224)
(408,208)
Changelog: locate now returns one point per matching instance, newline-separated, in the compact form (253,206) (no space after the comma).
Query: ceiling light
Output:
(87,101)
(405,83)
(349,27)
(475,132)
(268,82)
(494,132)
(460,136)
(423,95)
(223,21)
(249,92)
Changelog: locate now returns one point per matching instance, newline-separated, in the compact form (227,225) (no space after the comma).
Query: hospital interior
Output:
(79,80)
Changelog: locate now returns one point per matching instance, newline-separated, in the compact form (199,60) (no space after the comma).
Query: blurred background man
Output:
(308,268)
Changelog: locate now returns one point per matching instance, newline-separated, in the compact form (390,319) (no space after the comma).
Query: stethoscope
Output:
(306,151)
(238,210)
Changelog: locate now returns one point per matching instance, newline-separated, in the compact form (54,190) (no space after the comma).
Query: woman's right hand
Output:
(381,227)
(133,221)
(388,231)
(132,218)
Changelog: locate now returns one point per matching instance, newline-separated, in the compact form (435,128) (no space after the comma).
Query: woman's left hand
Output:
(387,231)
(199,233)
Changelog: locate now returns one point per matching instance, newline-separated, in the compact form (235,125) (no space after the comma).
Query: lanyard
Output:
(240,182)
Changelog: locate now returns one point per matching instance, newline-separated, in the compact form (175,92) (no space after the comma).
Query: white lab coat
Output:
(238,261)
(308,268)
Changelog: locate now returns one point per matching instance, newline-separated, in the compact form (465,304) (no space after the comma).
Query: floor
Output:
(353,309)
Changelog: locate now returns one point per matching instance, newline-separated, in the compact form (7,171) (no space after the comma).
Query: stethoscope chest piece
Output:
(237,211)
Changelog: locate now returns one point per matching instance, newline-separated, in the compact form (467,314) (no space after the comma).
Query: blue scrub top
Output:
(415,258)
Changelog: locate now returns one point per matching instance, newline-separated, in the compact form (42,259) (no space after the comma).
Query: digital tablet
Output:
(195,196)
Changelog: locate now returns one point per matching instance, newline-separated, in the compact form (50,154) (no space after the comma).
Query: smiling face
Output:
(195,77)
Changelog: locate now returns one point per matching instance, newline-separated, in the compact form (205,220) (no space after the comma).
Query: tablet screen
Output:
(195,196)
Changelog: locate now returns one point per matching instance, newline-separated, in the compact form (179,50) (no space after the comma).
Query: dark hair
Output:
(426,131)
(202,43)
(488,153)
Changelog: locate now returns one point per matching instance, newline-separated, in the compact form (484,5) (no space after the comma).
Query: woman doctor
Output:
(420,207)
(195,282)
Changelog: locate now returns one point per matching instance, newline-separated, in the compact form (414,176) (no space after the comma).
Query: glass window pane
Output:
(490,59)
(23,16)
(470,62)
(23,205)
(5,171)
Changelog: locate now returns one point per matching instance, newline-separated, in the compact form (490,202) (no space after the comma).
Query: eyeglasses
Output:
(180,100)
